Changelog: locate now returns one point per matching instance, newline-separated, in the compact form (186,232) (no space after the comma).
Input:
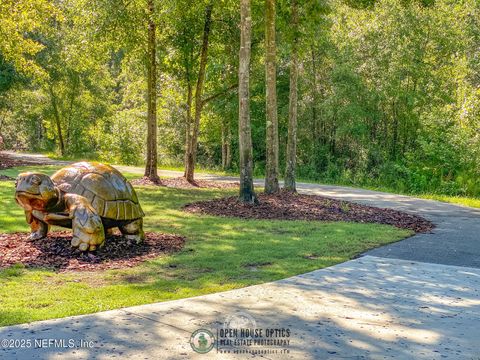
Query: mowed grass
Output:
(465,201)
(220,254)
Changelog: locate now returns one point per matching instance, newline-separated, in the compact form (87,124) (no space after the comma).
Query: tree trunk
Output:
(228,149)
(271,170)
(58,124)
(226,144)
(192,149)
(75,84)
(292,107)
(151,166)
(316,138)
(395,131)
(38,133)
(2,121)
(188,125)
(247,193)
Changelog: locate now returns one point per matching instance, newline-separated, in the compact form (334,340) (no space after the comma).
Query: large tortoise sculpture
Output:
(88,197)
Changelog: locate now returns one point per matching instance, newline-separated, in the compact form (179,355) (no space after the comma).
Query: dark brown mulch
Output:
(55,251)
(290,206)
(6,162)
(182,183)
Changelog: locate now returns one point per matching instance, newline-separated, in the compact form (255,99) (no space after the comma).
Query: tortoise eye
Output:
(36,180)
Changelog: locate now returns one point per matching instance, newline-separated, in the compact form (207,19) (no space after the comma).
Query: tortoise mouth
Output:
(31,201)
(29,194)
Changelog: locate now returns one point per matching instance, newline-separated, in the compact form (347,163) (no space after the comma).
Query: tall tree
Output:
(291,158)
(271,170)
(53,99)
(130,27)
(247,193)
(226,145)
(192,144)
(151,165)
(73,94)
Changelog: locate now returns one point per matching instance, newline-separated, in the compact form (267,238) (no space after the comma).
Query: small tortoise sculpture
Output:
(88,197)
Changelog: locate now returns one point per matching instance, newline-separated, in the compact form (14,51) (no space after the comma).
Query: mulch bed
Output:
(55,251)
(182,183)
(289,206)
(7,162)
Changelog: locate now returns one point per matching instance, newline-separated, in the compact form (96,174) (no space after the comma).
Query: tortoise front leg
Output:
(88,232)
(39,229)
(87,226)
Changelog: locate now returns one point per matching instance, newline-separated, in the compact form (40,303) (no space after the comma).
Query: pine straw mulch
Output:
(290,206)
(56,252)
(182,183)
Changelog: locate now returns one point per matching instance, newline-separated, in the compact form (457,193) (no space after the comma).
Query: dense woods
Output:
(383,92)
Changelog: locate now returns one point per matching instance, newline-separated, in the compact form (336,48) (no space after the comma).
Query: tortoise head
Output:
(35,191)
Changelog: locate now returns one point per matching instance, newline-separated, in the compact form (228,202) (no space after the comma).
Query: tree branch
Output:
(217,95)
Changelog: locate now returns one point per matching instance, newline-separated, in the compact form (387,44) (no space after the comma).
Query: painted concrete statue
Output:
(88,197)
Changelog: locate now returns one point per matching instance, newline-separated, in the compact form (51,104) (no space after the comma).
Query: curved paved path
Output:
(454,241)
(405,302)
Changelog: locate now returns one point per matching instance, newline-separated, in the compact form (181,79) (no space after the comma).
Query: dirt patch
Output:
(256,266)
(55,251)
(289,206)
(182,183)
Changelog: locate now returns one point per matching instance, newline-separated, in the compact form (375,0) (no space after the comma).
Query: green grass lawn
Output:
(465,201)
(220,254)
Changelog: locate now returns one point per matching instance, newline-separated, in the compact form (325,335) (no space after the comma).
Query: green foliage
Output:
(388,89)
(117,145)
(8,75)
(398,99)
(19,21)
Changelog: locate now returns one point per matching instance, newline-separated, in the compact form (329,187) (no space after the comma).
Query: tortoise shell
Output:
(111,195)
